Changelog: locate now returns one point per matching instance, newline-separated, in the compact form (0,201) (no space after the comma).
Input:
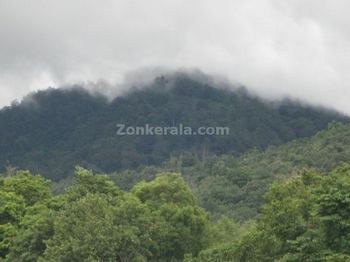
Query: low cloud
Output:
(292,48)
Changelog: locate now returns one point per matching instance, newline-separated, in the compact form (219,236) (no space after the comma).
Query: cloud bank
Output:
(295,48)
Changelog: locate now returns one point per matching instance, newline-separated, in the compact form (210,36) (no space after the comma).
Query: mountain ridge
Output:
(51,131)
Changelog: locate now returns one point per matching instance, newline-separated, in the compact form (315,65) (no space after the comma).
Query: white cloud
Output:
(297,48)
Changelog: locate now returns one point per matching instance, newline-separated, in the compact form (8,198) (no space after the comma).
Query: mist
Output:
(293,48)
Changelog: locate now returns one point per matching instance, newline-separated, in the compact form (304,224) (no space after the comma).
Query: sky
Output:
(294,48)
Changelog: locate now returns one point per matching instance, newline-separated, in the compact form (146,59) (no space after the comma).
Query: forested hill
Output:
(235,186)
(51,131)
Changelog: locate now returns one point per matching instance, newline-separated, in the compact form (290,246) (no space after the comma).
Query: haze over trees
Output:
(52,131)
(276,189)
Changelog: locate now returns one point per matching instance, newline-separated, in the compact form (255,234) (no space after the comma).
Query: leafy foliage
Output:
(94,220)
(259,201)
(235,185)
(51,131)
(304,215)
(305,218)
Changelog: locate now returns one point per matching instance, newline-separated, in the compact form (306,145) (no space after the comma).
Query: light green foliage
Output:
(99,223)
(305,218)
(94,228)
(185,224)
(235,185)
(165,188)
(23,216)
(226,230)
(34,229)
(333,208)
(96,221)
(225,233)
(86,182)
(32,188)
(221,253)
(12,208)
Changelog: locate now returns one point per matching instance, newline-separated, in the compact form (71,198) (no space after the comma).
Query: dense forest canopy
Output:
(234,185)
(94,220)
(51,131)
(174,131)
(304,218)
(275,189)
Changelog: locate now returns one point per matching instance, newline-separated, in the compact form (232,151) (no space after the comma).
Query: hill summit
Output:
(52,130)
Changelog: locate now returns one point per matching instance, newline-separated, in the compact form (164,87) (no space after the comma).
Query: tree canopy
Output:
(53,130)
(94,220)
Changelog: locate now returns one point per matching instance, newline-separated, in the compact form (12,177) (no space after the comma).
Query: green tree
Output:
(12,208)
(35,228)
(20,195)
(97,227)
(185,225)
(32,188)
(87,182)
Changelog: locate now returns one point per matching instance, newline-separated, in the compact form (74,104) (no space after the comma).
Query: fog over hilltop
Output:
(293,48)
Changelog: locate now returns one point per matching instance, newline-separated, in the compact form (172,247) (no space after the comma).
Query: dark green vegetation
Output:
(305,217)
(221,214)
(234,186)
(247,197)
(51,131)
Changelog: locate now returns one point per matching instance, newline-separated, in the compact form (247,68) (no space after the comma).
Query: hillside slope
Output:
(235,186)
(51,131)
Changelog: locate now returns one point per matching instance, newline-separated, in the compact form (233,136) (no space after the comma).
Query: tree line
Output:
(304,217)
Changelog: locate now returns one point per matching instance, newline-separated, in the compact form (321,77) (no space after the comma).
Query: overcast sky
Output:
(298,48)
